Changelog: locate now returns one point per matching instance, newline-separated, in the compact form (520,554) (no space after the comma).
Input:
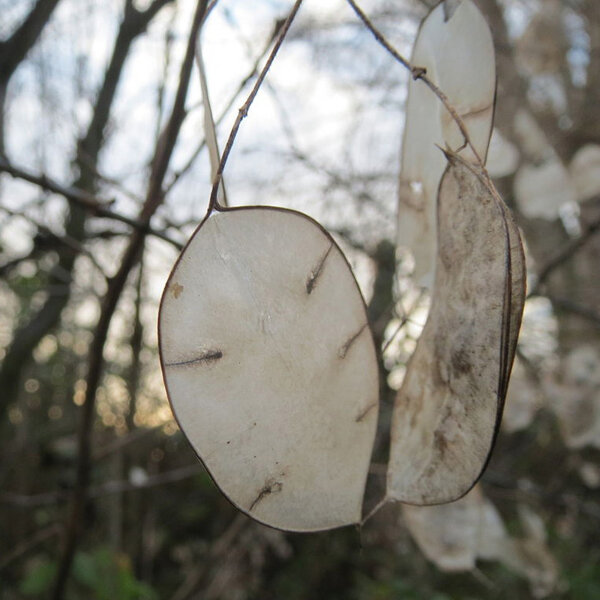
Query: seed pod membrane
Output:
(270,367)
(448,409)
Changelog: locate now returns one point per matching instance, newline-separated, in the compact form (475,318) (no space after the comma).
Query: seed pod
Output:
(456,50)
(270,366)
(449,407)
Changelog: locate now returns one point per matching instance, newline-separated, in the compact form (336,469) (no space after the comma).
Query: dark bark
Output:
(154,198)
(82,198)
(380,311)
(27,337)
(15,49)
(587,123)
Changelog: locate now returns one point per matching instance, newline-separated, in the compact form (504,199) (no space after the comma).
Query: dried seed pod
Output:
(455,48)
(448,409)
(270,366)
(453,536)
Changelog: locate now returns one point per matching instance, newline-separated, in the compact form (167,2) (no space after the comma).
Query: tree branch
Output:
(14,50)
(104,489)
(243,111)
(52,240)
(567,305)
(28,335)
(565,254)
(252,73)
(37,538)
(82,198)
(153,200)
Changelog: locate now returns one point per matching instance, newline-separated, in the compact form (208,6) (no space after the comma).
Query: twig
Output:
(565,254)
(118,487)
(107,488)
(499,487)
(335,179)
(125,440)
(420,73)
(253,71)
(243,111)
(577,309)
(218,550)
(154,198)
(75,194)
(28,501)
(37,538)
(65,240)
(88,148)
(399,327)
(375,510)
(81,198)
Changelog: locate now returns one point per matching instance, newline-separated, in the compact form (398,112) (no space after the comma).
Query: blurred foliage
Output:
(101,575)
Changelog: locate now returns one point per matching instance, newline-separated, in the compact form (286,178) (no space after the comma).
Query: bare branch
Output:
(154,198)
(243,111)
(565,254)
(567,305)
(27,335)
(81,198)
(56,240)
(124,441)
(219,549)
(39,537)
(104,489)
(14,50)
(253,71)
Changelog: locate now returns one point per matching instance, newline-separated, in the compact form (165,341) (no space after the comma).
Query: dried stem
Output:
(252,73)
(569,306)
(565,254)
(81,198)
(117,486)
(243,111)
(375,510)
(219,548)
(53,238)
(210,128)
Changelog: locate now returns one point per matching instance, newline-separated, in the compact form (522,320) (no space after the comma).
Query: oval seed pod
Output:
(454,45)
(449,407)
(270,366)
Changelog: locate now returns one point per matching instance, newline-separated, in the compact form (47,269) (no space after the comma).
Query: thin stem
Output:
(375,510)
(210,128)
(36,539)
(65,240)
(564,254)
(404,319)
(243,111)
(252,73)
(81,198)
(107,488)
